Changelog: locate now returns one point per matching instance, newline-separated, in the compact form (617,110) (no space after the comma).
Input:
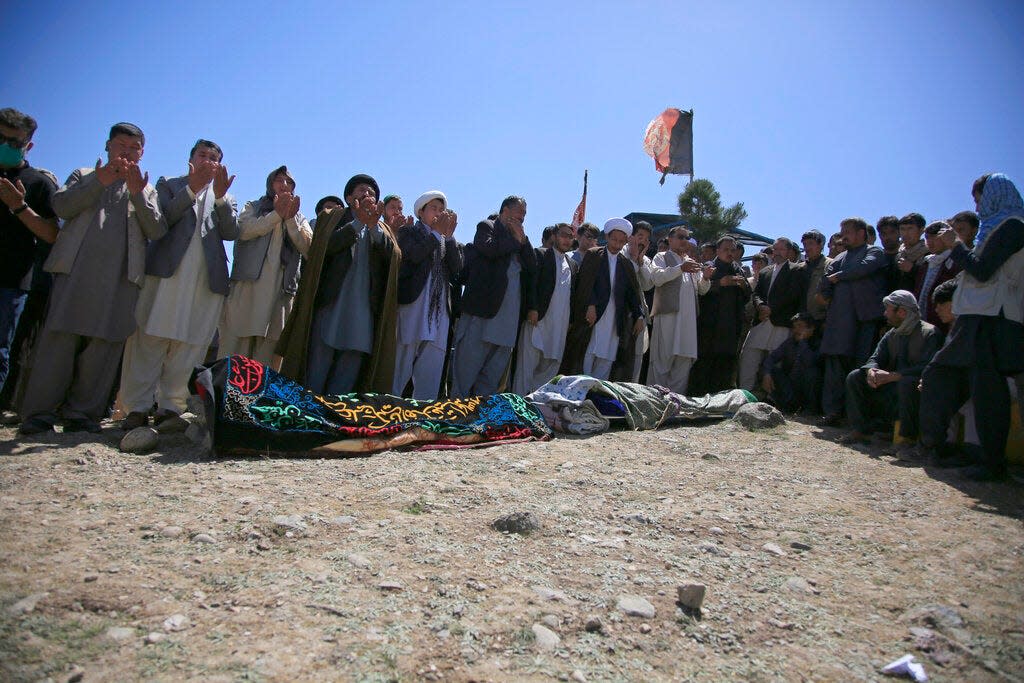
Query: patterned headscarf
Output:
(999,200)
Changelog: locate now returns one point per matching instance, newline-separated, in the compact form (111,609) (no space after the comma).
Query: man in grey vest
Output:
(98,262)
(184,291)
(273,237)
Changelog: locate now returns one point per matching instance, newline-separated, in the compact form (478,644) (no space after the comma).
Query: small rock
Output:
(120,632)
(357,560)
(75,675)
(550,594)
(390,586)
(645,628)
(635,606)
(551,621)
(709,456)
(516,523)
(139,440)
(171,531)
(797,545)
(89,578)
(711,548)
(800,585)
(773,549)
(154,637)
(546,639)
(204,538)
(593,625)
(754,416)
(716,530)
(289,523)
(784,625)
(343,520)
(691,595)
(26,604)
(578,676)
(175,622)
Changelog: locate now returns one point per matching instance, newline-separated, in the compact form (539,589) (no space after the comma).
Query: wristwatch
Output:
(24,205)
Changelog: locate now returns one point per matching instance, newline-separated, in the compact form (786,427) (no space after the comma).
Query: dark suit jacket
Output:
(947,271)
(485,272)
(593,288)
(418,244)
(545,280)
(163,256)
(786,295)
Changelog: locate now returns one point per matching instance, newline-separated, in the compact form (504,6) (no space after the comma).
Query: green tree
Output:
(700,205)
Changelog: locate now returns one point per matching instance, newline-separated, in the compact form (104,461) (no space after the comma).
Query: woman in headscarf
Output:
(984,346)
(265,269)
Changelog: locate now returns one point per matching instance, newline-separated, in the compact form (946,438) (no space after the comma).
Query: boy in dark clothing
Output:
(791,375)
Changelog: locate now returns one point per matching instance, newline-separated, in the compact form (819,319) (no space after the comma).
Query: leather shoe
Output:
(985,473)
(34,425)
(134,420)
(81,425)
(832,420)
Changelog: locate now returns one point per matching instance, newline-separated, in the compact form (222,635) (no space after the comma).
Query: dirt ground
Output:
(821,562)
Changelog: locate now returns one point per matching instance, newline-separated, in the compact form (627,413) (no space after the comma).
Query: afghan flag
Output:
(579,216)
(669,141)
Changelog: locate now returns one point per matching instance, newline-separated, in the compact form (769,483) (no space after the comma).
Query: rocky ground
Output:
(820,562)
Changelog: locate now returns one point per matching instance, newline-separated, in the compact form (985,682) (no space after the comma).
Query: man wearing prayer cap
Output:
(606,315)
(885,387)
(340,336)
(431,263)
(498,276)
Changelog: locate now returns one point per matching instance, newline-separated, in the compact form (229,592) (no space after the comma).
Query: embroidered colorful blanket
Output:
(252,409)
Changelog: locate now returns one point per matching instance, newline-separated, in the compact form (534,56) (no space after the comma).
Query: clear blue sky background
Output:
(805,111)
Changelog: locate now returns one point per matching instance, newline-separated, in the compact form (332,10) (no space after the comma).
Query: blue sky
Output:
(806,111)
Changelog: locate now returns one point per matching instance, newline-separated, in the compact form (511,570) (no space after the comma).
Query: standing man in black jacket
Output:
(542,338)
(498,276)
(778,296)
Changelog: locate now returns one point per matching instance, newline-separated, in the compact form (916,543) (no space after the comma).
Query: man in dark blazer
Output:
(542,337)
(498,275)
(720,321)
(184,291)
(606,314)
(853,285)
(778,296)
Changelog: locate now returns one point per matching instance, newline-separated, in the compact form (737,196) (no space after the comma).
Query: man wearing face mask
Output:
(606,314)
(98,263)
(27,221)
(340,336)
(184,292)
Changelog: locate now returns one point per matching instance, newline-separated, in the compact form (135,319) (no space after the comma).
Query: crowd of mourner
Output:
(113,290)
